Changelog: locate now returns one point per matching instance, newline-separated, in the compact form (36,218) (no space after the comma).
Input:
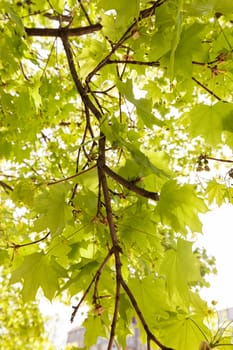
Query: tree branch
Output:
(82,91)
(139,63)
(128,33)
(64,31)
(218,159)
(150,336)
(6,187)
(71,177)
(85,12)
(208,90)
(113,234)
(131,185)
(96,276)
(17,246)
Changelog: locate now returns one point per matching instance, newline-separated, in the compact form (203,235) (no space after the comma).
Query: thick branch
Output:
(131,185)
(60,32)
(85,98)
(113,234)
(150,336)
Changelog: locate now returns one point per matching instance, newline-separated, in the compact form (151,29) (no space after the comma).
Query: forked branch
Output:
(95,277)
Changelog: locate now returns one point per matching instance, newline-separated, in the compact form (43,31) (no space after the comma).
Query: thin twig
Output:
(72,176)
(60,18)
(105,92)
(97,274)
(139,63)
(17,246)
(128,33)
(148,343)
(85,12)
(207,89)
(219,159)
(6,187)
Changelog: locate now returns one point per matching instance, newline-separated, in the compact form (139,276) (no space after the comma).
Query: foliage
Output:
(21,324)
(110,114)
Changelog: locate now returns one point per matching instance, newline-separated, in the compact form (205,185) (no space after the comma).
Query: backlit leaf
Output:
(179,206)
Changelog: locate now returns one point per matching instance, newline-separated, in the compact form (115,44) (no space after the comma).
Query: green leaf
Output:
(183,331)
(37,270)
(188,48)
(149,291)
(3,256)
(53,211)
(216,192)
(179,207)
(15,18)
(202,7)
(94,329)
(181,268)
(176,35)
(24,192)
(58,5)
(210,121)
(143,106)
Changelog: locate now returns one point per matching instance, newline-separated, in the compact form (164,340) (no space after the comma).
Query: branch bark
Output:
(130,185)
(150,335)
(139,63)
(207,89)
(82,91)
(113,234)
(64,31)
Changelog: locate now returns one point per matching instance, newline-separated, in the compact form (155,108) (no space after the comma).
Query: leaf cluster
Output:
(107,111)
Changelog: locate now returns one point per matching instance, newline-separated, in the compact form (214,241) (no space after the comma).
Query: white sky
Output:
(218,240)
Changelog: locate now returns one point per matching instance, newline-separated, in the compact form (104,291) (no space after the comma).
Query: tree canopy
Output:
(112,115)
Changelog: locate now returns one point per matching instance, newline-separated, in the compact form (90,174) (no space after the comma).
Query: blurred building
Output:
(133,342)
